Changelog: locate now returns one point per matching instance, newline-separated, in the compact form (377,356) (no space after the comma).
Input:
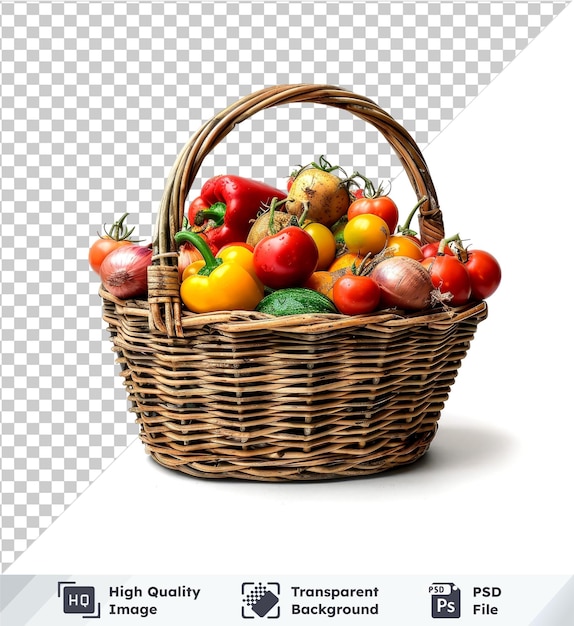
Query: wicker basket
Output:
(305,397)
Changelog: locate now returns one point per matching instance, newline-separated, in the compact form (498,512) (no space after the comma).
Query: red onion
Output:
(124,271)
(404,283)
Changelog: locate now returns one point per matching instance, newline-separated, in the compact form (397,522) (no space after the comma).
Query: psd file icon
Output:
(445,600)
(260,600)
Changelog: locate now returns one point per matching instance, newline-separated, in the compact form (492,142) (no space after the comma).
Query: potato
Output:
(262,225)
(322,193)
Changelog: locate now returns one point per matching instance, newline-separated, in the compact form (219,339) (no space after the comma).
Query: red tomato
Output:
(485,274)
(355,295)
(292,178)
(414,238)
(286,259)
(449,275)
(382,206)
(431,249)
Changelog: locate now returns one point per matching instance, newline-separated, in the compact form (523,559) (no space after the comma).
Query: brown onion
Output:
(188,253)
(404,283)
(124,271)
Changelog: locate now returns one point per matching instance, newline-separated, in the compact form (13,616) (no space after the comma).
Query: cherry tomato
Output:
(403,245)
(449,275)
(485,273)
(292,178)
(100,249)
(366,233)
(431,249)
(356,295)
(382,206)
(325,241)
(285,259)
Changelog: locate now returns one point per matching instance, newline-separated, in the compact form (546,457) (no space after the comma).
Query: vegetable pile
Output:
(120,262)
(329,243)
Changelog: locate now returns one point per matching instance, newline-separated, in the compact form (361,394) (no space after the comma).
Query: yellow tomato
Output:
(346,261)
(325,240)
(366,233)
(401,245)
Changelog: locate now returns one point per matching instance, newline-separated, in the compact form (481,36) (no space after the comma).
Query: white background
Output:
(494,493)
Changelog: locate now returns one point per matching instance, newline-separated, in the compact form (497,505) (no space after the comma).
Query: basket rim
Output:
(311,323)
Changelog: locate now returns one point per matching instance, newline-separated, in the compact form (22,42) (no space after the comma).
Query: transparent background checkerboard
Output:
(97,99)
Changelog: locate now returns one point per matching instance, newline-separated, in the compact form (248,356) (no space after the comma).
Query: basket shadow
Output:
(464,447)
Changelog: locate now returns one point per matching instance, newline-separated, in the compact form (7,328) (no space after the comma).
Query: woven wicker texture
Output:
(246,395)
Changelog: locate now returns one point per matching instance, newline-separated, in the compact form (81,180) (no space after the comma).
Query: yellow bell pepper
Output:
(225,283)
(192,268)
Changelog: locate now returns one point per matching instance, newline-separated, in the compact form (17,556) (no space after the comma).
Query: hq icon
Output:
(78,599)
(445,600)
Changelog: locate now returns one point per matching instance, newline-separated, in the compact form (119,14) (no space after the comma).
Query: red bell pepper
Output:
(226,207)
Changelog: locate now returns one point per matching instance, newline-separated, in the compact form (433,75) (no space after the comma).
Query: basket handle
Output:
(189,160)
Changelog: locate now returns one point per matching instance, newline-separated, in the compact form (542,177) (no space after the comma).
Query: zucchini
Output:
(295,301)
